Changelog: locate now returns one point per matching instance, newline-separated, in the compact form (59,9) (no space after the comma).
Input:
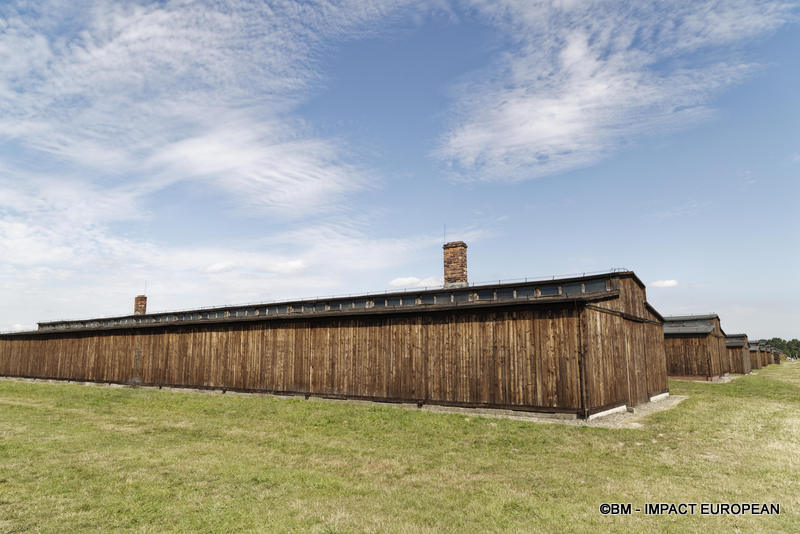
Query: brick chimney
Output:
(140,305)
(455,264)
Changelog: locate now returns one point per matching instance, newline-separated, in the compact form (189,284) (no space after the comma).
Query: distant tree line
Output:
(791,348)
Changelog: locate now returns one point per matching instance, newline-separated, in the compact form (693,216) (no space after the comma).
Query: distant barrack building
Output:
(695,347)
(582,345)
(757,356)
(775,355)
(762,355)
(738,353)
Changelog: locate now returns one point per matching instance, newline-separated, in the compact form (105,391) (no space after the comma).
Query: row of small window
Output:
(509,293)
(480,295)
(552,290)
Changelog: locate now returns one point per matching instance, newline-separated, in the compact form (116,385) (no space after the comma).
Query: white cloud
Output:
(180,91)
(263,169)
(413,281)
(105,107)
(220,267)
(58,264)
(687,209)
(585,78)
(664,283)
(288,267)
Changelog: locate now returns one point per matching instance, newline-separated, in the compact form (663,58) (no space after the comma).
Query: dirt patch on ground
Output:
(624,419)
(718,380)
(635,419)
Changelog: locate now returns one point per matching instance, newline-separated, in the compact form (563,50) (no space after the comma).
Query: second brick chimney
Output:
(140,305)
(455,264)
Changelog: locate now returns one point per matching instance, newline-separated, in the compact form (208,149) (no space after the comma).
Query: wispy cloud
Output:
(687,209)
(57,270)
(263,169)
(413,281)
(219,267)
(664,283)
(180,91)
(104,106)
(586,78)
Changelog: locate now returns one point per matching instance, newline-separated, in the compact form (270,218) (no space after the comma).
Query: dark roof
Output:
(699,329)
(735,342)
(671,318)
(553,290)
(689,324)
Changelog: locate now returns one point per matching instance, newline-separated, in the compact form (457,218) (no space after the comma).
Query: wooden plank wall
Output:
(747,364)
(731,354)
(606,359)
(740,359)
(690,355)
(527,358)
(722,354)
(718,351)
(559,357)
(656,359)
(631,299)
(719,354)
(624,359)
(755,359)
(697,355)
(652,333)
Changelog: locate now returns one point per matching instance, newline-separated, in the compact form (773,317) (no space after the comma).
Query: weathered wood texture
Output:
(558,357)
(688,355)
(697,355)
(636,369)
(625,360)
(740,359)
(755,359)
(722,350)
(694,355)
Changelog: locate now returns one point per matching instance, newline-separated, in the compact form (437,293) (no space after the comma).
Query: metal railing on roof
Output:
(132,319)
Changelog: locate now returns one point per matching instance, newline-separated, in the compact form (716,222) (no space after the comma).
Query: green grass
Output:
(81,459)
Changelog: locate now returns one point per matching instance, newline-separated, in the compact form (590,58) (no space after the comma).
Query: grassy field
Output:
(79,458)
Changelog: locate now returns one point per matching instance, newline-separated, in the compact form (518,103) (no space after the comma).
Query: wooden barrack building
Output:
(578,345)
(756,356)
(695,347)
(766,354)
(738,353)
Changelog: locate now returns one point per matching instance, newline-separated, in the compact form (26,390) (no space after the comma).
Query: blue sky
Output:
(227,152)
